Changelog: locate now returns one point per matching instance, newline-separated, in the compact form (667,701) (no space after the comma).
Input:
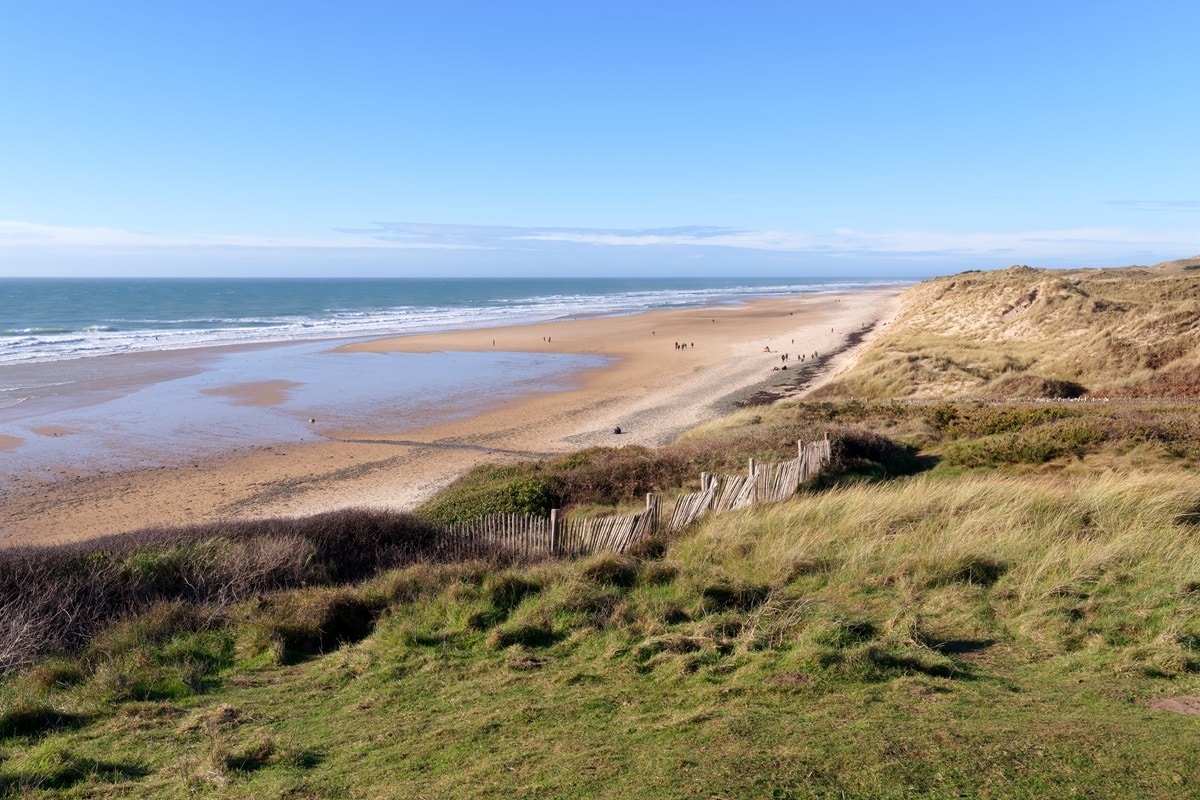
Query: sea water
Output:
(111,374)
(54,319)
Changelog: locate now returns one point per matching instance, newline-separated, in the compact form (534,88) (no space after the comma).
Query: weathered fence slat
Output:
(529,536)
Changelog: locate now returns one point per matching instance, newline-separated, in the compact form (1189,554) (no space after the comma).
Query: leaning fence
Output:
(529,536)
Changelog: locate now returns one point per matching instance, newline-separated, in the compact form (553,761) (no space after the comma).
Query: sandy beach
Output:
(652,387)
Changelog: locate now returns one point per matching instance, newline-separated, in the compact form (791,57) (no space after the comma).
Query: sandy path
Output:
(652,390)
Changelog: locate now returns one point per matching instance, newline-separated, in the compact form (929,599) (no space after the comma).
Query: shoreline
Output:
(651,390)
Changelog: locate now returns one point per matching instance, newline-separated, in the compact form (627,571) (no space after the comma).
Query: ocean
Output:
(118,374)
(57,319)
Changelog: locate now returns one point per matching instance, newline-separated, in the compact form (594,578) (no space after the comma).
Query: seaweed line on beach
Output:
(805,374)
(281,490)
(446,446)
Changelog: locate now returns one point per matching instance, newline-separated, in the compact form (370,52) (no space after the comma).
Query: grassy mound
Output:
(1022,333)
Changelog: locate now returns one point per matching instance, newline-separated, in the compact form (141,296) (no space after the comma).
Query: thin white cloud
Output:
(1158,205)
(850,242)
(31,234)
(1101,244)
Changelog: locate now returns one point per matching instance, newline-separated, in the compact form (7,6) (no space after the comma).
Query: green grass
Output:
(994,634)
(949,613)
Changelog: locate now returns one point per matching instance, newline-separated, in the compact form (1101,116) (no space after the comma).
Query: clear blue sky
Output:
(595,138)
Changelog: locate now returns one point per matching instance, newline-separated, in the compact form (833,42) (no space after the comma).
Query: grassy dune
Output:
(978,599)
(1022,333)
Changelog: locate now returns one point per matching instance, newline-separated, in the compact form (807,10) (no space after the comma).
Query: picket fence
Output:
(530,536)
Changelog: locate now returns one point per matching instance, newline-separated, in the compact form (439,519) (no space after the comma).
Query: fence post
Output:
(554,521)
(800,448)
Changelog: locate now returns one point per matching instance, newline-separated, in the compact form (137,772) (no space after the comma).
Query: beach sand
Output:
(651,389)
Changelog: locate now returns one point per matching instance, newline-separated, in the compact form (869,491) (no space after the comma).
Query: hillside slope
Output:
(1023,332)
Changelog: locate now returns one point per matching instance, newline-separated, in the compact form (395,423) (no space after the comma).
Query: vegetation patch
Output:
(26,719)
(611,568)
(301,624)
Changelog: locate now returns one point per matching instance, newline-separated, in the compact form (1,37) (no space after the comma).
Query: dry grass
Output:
(1105,567)
(55,599)
(1023,332)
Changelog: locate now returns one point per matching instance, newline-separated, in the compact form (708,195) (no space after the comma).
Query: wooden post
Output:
(554,521)
(653,501)
(752,467)
(800,448)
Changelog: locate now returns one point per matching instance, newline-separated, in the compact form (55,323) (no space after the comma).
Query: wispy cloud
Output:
(1104,245)
(838,242)
(1158,205)
(500,235)
(37,235)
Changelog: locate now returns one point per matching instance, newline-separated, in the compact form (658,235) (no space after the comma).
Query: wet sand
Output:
(256,393)
(648,387)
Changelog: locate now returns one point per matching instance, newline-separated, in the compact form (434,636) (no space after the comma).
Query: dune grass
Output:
(1024,332)
(990,633)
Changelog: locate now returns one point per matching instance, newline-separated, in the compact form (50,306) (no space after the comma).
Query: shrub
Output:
(486,491)
(1067,437)
(1032,386)
(860,453)
(55,599)
(610,476)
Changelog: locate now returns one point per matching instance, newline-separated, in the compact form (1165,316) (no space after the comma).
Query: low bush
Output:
(1069,437)
(489,490)
(1028,387)
(55,599)
(976,420)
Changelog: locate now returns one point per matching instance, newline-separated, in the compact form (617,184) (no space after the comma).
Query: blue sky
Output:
(595,138)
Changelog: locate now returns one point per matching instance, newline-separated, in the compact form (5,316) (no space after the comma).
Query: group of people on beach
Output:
(785,357)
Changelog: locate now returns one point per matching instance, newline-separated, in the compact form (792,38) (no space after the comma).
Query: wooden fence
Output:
(530,536)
